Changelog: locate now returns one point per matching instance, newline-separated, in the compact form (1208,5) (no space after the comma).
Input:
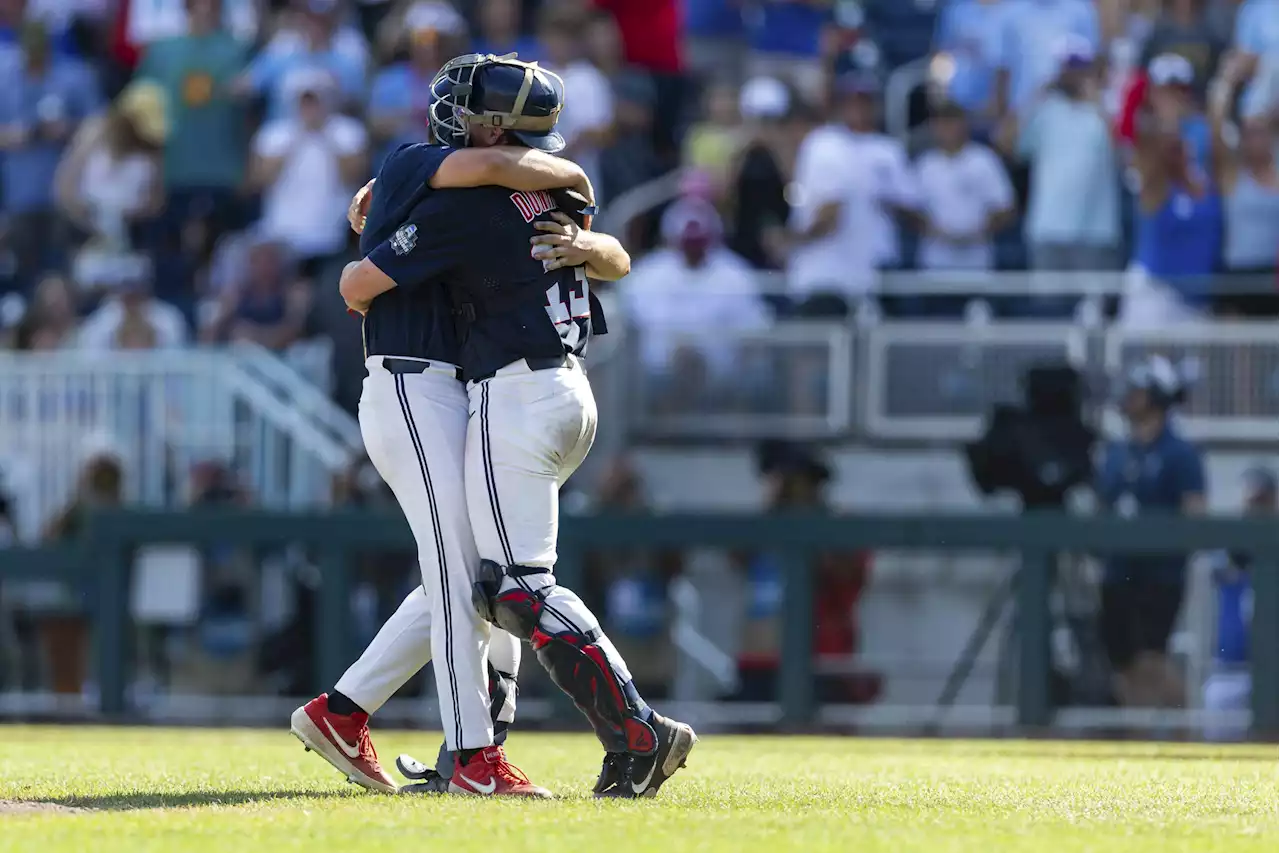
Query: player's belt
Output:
(397,366)
(535,364)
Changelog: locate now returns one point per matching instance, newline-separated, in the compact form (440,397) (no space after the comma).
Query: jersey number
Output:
(579,305)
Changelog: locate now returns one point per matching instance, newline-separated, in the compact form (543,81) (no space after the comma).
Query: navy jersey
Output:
(1150,478)
(477,242)
(411,319)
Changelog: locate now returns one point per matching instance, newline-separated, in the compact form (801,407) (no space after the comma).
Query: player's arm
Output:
(523,169)
(564,243)
(424,248)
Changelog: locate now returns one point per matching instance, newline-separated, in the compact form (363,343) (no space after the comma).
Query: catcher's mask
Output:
(496,91)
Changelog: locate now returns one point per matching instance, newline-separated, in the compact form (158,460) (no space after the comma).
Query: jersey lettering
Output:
(532,204)
(568,307)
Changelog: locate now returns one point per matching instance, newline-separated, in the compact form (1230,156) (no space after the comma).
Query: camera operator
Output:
(1152,469)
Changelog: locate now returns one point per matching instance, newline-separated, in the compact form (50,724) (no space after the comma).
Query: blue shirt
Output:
(712,18)
(1258,32)
(969,32)
(270,74)
(1235,610)
(68,91)
(1180,242)
(1031,37)
(1137,478)
(784,27)
(415,318)
(398,90)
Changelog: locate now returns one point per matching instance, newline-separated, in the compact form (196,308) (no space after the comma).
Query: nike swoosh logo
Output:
(639,787)
(348,750)
(483,789)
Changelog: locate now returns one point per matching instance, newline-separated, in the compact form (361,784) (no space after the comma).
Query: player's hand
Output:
(359,207)
(563,243)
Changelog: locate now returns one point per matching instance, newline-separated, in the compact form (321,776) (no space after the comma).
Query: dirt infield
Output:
(10,807)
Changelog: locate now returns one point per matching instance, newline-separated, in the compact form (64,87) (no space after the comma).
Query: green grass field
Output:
(103,789)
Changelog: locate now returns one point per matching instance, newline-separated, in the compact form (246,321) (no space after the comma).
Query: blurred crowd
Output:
(177,170)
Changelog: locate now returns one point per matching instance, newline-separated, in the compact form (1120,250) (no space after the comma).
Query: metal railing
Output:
(935,380)
(159,415)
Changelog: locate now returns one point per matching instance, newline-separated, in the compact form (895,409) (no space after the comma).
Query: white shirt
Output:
(100,329)
(306,208)
(588,105)
(958,193)
(152,20)
(674,306)
(1074,195)
(885,158)
(830,167)
(115,188)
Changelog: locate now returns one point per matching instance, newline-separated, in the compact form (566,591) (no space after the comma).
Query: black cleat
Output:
(423,779)
(627,776)
(615,775)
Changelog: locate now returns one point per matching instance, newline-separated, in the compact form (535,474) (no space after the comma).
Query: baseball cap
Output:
(858,82)
(691,219)
(1075,52)
(1171,69)
(434,17)
(764,97)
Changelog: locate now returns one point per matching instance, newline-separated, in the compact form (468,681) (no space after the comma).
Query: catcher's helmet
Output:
(496,91)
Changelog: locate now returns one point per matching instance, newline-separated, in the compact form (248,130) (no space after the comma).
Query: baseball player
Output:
(529,315)
(413,413)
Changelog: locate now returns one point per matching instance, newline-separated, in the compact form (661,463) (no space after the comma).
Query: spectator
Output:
(204,156)
(1153,469)
(500,31)
(1179,215)
(630,160)
(1229,685)
(1073,205)
(672,317)
(966,197)
(784,38)
(41,107)
(17,15)
(796,480)
(142,23)
(711,145)
(1258,36)
(758,185)
(312,39)
(586,122)
(1247,178)
(1183,29)
(849,182)
(650,31)
(604,44)
(713,37)
(968,50)
(631,584)
(307,167)
(132,318)
(109,181)
(1030,35)
(64,630)
(50,323)
(268,307)
(401,92)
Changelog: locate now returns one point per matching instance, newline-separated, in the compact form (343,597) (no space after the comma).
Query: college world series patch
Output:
(403,241)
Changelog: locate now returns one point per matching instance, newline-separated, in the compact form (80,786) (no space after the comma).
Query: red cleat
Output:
(343,741)
(489,774)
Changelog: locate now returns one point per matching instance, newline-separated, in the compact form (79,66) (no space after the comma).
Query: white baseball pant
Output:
(528,431)
(414,427)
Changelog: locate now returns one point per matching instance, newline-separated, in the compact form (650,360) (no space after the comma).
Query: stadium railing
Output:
(934,380)
(100,560)
(159,414)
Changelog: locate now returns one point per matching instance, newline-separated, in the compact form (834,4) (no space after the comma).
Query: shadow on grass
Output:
(134,800)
